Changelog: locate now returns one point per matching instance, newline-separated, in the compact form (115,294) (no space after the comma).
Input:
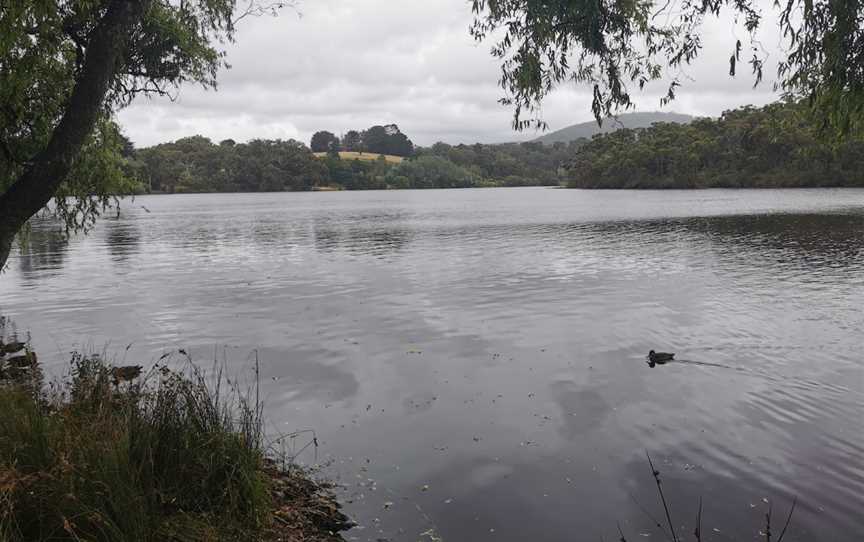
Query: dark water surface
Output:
(473,361)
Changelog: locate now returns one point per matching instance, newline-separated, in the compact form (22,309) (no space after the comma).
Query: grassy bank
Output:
(166,456)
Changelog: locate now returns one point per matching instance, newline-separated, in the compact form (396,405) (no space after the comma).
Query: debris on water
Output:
(388,505)
(448,501)
(476,438)
(425,488)
(433,537)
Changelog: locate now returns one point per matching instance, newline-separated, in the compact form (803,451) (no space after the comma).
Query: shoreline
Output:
(176,457)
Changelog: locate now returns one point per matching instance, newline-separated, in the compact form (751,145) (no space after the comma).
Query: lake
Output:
(473,361)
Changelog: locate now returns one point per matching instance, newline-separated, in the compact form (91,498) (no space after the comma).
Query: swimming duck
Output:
(660,357)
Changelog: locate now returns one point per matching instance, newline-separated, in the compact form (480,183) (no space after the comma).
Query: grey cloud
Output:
(349,64)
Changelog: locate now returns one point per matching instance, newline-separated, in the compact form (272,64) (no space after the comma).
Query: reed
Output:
(672,536)
(173,455)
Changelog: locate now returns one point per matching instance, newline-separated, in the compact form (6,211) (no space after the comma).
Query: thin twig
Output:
(656,475)
(788,519)
(651,517)
(621,533)
(768,524)
(698,531)
(257,381)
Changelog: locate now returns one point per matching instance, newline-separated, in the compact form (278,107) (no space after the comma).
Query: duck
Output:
(11,348)
(23,361)
(125,374)
(660,357)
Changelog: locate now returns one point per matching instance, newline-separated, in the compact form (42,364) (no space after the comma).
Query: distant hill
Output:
(625,120)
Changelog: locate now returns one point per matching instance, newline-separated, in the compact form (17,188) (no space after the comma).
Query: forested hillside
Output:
(196,164)
(778,145)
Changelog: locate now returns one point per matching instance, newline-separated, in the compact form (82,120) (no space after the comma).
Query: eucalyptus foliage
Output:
(618,45)
(775,146)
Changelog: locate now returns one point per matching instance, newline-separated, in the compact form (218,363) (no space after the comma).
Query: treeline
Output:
(196,164)
(377,139)
(778,145)
(774,146)
(510,164)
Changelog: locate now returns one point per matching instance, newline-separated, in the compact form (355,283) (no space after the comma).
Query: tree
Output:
(375,140)
(612,45)
(324,141)
(398,143)
(387,140)
(352,141)
(66,65)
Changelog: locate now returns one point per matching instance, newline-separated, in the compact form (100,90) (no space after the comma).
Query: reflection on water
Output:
(42,250)
(122,239)
(476,358)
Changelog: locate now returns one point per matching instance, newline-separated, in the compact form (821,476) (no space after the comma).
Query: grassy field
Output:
(369,156)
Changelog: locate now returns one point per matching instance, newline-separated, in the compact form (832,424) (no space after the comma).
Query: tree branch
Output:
(41,178)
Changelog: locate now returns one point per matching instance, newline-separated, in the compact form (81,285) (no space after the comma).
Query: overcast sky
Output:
(349,64)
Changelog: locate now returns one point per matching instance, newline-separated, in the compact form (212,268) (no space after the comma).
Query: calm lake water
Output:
(473,361)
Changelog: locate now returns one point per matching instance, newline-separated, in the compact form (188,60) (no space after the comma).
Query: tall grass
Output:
(175,457)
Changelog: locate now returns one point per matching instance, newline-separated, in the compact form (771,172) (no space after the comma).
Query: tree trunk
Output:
(41,178)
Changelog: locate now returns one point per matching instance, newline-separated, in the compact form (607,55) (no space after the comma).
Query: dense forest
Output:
(196,164)
(779,145)
(774,146)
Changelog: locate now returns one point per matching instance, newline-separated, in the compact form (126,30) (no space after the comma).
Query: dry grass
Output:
(365,156)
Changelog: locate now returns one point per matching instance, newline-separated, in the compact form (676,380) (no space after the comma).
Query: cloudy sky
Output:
(342,64)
